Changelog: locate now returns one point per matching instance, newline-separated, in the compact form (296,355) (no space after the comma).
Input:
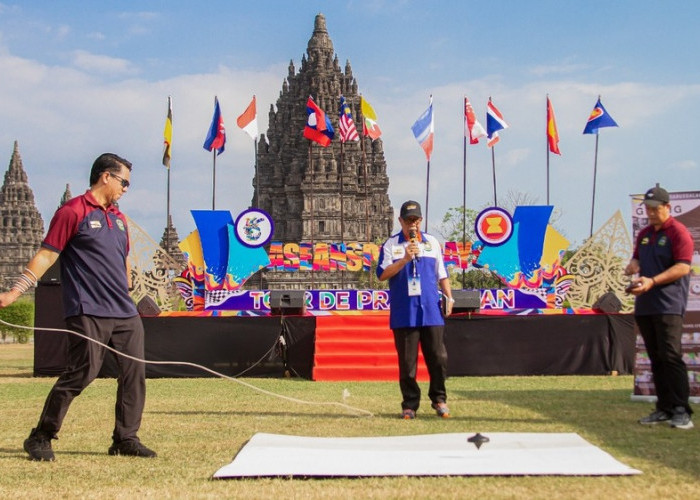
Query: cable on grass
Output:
(351,409)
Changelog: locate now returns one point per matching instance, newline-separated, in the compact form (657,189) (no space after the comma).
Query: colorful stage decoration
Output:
(152,269)
(598,266)
(254,228)
(523,249)
(321,302)
(219,260)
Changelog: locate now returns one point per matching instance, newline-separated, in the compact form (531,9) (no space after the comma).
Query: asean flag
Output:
(599,118)
(318,126)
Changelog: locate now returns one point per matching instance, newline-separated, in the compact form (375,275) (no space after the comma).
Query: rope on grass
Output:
(351,409)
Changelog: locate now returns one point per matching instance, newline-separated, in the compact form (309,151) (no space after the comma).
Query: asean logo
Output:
(254,227)
(493,226)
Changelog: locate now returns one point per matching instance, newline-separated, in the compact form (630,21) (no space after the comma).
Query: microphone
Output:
(412,237)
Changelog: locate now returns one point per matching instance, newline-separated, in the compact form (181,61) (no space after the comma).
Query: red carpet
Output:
(357,348)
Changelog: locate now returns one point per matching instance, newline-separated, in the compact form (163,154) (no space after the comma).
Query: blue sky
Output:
(80,78)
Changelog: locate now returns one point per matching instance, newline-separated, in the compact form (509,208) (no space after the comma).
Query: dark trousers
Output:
(431,339)
(662,338)
(84,362)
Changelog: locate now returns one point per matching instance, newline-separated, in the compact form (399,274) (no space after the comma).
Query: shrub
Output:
(19,313)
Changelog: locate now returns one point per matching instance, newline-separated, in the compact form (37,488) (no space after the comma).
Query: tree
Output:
(458,225)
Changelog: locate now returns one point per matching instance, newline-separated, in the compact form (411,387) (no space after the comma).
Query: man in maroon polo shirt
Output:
(662,256)
(91,236)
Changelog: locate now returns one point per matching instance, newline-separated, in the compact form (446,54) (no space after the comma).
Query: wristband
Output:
(24,283)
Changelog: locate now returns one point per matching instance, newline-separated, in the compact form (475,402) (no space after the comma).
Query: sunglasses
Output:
(124,182)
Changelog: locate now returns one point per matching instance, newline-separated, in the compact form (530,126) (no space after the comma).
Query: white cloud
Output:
(64,116)
(95,63)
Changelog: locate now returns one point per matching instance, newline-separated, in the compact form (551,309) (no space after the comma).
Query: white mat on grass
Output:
(274,455)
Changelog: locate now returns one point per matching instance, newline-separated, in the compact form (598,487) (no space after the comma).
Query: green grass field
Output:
(197,425)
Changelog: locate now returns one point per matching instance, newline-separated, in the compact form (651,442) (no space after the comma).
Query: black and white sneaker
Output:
(655,417)
(131,448)
(38,445)
(681,419)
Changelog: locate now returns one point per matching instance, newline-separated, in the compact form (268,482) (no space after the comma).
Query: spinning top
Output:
(478,440)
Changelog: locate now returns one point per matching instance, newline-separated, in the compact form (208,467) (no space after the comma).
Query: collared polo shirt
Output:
(656,251)
(93,243)
(420,310)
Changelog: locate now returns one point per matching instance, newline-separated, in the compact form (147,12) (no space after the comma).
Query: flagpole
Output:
(364,175)
(546,140)
(427,194)
(493,167)
(169,158)
(257,175)
(595,170)
(213,182)
(342,211)
(311,203)
(167,214)
(364,171)
(464,204)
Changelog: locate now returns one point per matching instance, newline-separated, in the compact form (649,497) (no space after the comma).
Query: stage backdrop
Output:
(685,206)
(478,345)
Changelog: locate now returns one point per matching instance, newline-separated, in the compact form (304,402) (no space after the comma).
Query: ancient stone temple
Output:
(21,225)
(316,194)
(169,243)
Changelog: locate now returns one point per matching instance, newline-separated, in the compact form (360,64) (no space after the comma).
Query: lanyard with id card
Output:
(414,282)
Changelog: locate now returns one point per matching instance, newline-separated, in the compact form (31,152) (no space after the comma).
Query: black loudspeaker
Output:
(466,301)
(147,307)
(289,302)
(52,276)
(50,348)
(607,303)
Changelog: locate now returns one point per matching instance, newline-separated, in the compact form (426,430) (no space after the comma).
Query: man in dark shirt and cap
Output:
(662,257)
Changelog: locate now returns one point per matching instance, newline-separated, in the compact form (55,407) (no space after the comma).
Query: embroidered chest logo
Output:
(95,224)
(645,241)
(120,224)
(662,241)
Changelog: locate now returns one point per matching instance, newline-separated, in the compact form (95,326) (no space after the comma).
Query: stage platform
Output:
(477,345)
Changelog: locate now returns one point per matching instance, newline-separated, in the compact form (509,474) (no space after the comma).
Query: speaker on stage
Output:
(466,301)
(607,303)
(147,307)
(52,276)
(50,348)
(289,302)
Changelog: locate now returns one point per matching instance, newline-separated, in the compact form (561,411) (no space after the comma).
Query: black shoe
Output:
(655,417)
(442,410)
(38,445)
(681,419)
(131,448)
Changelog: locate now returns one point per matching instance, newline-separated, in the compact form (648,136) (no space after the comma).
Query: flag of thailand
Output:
(423,130)
(494,123)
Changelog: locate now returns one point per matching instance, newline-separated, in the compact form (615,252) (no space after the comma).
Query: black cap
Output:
(410,209)
(656,196)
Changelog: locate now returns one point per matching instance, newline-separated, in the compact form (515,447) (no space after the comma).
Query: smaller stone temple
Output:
(169,243)
(21,225)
